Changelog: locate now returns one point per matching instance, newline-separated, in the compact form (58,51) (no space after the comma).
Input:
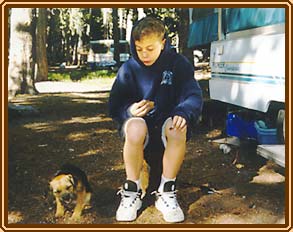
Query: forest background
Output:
(40,38)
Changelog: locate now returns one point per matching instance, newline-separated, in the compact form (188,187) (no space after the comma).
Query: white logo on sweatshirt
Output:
(167,77)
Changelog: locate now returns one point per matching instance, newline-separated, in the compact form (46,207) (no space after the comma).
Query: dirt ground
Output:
(214,188)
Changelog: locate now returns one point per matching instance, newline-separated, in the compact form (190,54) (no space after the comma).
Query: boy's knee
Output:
(135,130)
(175,135)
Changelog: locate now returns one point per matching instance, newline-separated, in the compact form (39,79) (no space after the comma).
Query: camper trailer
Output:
(247,62)
(101,53)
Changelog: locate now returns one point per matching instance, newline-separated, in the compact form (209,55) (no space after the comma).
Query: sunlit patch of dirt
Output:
(41,127)
(14,217)
(268,175)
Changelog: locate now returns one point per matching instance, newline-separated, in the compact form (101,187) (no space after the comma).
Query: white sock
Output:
(163,181)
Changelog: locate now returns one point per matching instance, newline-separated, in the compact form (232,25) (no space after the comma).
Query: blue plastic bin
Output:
(266,135)
(236,126)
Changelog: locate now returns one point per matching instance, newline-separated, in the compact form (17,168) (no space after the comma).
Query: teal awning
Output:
(205,30)
(237,19)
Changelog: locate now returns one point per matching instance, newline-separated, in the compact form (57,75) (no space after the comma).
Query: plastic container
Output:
(266,135)
(236,126)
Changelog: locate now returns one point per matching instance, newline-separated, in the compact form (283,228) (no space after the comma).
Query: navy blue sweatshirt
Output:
(169,82)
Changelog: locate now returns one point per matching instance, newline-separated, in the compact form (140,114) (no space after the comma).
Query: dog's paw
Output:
(59,213)
(76,214)
(75,217)
(87,207)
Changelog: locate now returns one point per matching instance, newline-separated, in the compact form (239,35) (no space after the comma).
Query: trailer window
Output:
(99,48)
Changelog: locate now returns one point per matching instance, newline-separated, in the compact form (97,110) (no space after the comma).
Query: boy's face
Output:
(149,48)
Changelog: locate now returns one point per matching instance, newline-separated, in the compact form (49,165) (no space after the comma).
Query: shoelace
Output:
(169,198)
(128,198)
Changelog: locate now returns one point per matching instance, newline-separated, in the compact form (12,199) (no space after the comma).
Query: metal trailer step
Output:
(273,152)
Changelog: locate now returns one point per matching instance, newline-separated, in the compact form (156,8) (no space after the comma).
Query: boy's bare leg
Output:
(166,201)
(135,134)
(174,151)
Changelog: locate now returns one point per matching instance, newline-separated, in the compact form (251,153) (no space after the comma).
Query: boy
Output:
(155,93)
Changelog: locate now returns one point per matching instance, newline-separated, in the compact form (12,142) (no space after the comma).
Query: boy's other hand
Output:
(178,123)
(141,108)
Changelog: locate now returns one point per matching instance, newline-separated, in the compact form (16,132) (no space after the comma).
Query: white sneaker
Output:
(166,202)
(130,202)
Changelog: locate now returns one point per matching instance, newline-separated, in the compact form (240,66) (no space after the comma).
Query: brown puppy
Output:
(71,183)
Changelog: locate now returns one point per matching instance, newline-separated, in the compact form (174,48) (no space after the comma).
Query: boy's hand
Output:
(141,108)
(178,123)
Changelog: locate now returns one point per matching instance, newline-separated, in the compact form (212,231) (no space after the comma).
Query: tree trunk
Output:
(116,36)
(20,79)
(135,15)
(129,22)
(41,40)
(67,49)
(76,50)
(183,29)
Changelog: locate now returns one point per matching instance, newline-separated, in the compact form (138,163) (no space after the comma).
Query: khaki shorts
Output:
(163,132)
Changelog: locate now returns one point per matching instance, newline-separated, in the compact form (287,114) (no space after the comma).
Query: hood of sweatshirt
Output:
(166,54)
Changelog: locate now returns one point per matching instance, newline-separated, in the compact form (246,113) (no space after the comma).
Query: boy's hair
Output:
(148,25)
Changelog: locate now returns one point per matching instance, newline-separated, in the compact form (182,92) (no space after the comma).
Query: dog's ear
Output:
(50,186)
(71,179)
(57,173)
(48,193)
